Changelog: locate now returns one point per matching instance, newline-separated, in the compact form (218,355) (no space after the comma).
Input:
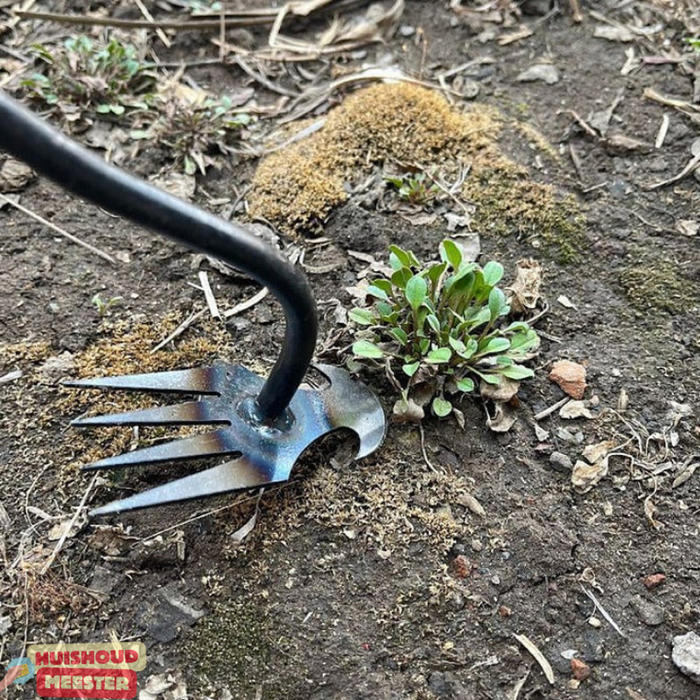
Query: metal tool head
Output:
(263,452)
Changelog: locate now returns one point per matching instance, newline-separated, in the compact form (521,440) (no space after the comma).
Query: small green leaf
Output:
(439,356)
(495,345)
(441,407)
(363,348)
(457,345)
(401,277)
(400,335)
(416,291)
(423,345)
(497,303)
(363,317)
(410,368)
(451,252)
(384,285)
(433,322)
(517,372)
(400,256)
(377,292)
(493,272)
(466,385)
(494,379)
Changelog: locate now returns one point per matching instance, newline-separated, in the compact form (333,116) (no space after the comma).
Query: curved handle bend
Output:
(71,166)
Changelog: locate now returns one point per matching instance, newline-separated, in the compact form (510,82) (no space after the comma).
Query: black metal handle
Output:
(71,166)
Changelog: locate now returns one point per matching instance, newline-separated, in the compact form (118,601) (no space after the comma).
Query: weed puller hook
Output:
(265,425)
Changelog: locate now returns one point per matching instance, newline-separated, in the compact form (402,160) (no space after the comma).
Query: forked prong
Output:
(188,413)
(217,442)
(230,476)
(185,381)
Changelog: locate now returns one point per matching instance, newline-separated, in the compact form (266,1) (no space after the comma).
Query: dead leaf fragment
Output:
(468,501)
(14,176)
(570,377)
(580,669)
(575,409)
(526,288)
(504,391)
(688,227)
(538,656)
(594,453)
(64,529)
(503,418)
(408,411)
(585,476)
(605,31)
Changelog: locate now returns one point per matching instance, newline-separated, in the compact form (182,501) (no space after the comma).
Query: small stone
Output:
(462,566)
(543,72)
(14,176)
(649,613)
(570,377)
(580,669)
(568,436)
(686,655)
(476,545)
(594,622)
(407,30)
(560,462)
(653,580)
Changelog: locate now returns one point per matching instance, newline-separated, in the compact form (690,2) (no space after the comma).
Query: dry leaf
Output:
(684,475)
(605,31)
(526,288)
(504,391)
(566,302)
(468,501)
(575,409)
(594,453)
(688,227)
(538,656)
(408,411)
(503,418)
(65,529)
(585,476)
(246,529)
(14,176)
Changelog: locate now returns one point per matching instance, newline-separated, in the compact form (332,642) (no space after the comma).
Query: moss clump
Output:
(507,203)
(230,646)
(297,187)
(656,284)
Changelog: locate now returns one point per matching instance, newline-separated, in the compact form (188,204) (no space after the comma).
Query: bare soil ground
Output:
(377,579)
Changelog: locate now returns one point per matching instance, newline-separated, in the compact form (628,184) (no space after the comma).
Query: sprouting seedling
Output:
(103,306)
(442,327)
(413,188)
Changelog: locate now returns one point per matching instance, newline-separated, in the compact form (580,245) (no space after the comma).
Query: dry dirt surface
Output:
(454,563)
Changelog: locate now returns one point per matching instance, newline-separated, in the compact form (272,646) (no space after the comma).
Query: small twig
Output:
(248,304)
(58,229)
(603,611)
(66,531)
(209,295)
(428,463)
(179,330)
(552,408)
(663,130)
(159,32)
(692,165)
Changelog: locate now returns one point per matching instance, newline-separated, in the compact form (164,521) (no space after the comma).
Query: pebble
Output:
(57,368)
(570,377)
(560,462)
(568,436)
(406,30)
(543,72)
(686,655)
(167,613)
(649,613)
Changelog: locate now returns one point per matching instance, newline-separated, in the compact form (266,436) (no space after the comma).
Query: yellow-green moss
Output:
(656,284)
(507,203)
(297,187)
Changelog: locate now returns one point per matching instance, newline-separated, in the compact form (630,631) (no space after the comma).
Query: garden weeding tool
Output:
(264,424)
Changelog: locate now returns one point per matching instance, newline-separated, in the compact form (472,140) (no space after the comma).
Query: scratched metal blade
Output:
(230,476)
(217,442)
(188,413)
(200,380)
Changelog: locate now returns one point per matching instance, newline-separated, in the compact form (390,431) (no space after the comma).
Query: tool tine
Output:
(217,442)
(199,380)
(230,476)
(188,413)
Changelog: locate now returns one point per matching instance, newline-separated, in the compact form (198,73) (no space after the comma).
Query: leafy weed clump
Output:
(439,329)
(192,130)
(82,78)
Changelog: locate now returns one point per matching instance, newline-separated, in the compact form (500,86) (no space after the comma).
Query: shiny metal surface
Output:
(265,452)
